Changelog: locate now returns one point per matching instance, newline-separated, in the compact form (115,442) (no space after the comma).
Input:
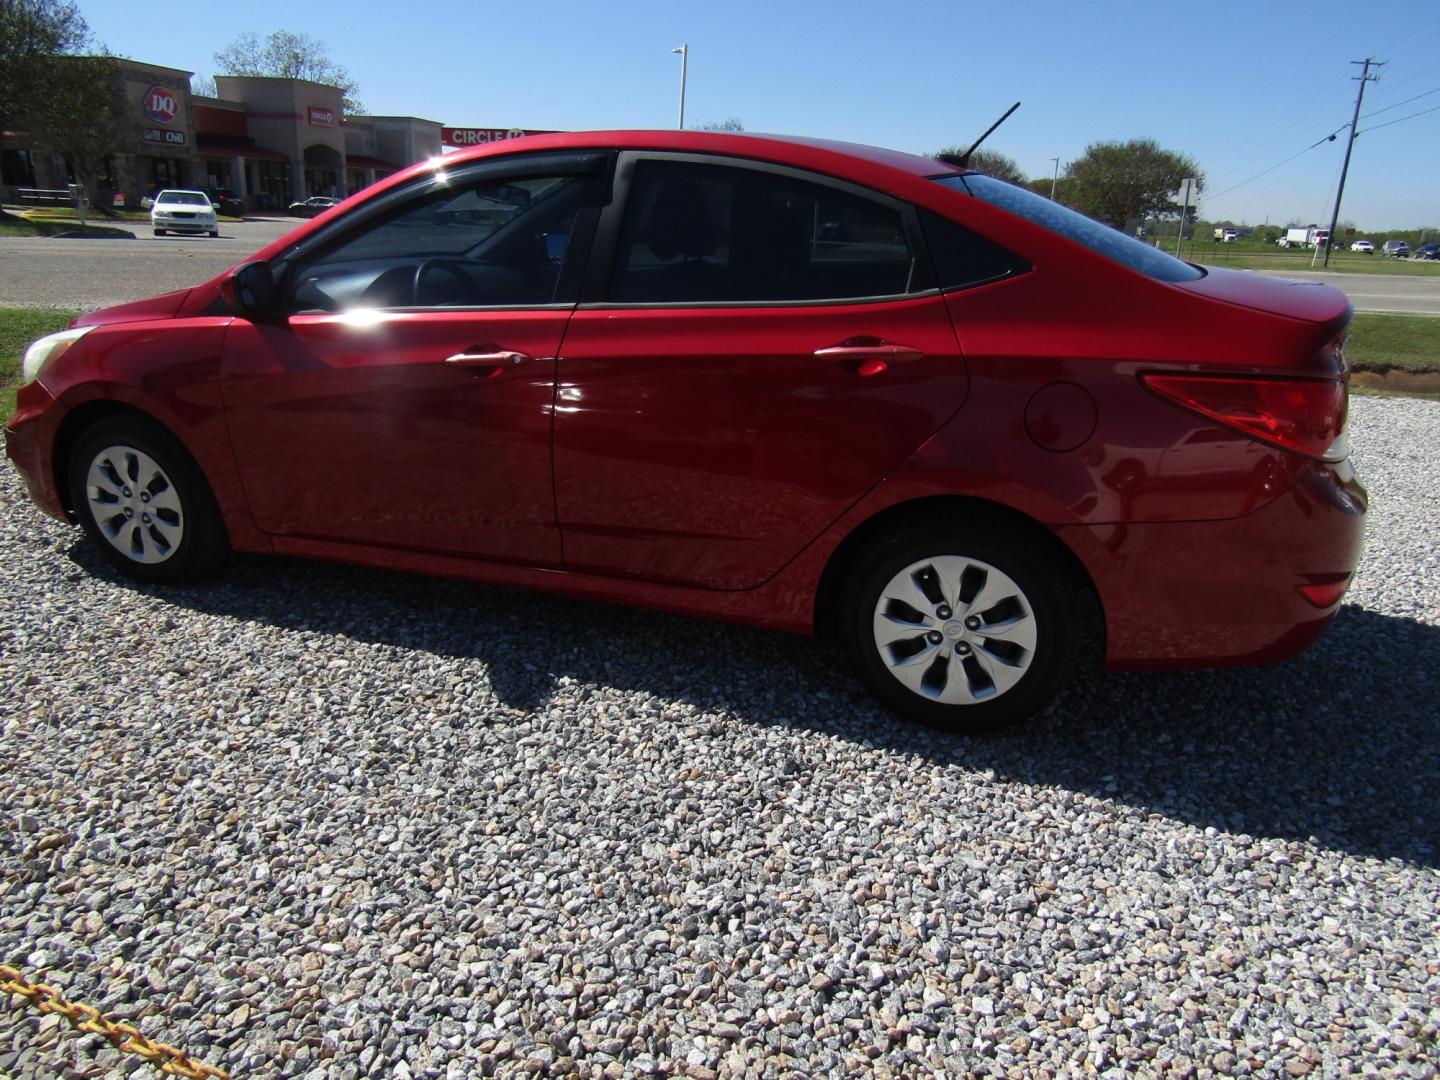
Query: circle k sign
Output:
(160,105)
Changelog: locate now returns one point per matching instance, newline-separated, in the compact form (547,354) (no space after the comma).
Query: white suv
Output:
(183,212)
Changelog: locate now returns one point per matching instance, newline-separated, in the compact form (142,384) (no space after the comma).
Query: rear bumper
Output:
(29,437)
(1210,593)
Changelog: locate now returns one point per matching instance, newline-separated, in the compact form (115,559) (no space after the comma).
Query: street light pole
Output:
(684,51)
(1054,179)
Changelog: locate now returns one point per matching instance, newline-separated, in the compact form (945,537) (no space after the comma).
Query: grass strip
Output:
(13,226)
(18,328)
(1380,342)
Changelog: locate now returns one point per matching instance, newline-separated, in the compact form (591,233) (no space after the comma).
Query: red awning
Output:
(234,146)
(362,161)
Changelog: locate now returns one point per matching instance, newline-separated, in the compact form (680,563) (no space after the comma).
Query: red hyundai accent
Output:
(799,384)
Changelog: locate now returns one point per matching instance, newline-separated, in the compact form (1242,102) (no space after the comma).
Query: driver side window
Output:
(494,244)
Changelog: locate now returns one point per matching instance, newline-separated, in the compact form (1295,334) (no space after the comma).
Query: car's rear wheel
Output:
(159,232)
(144,503)
(963,628)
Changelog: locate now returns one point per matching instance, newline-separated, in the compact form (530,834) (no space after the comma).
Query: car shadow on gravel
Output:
(1339,747)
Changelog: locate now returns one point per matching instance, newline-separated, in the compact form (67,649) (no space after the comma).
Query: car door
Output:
(766,346)
(405,398)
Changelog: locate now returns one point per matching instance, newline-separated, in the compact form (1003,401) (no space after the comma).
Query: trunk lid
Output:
(1310,301)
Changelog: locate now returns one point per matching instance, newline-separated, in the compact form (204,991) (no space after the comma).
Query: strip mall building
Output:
(271,141)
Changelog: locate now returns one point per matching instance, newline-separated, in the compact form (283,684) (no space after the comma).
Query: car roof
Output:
(795,148)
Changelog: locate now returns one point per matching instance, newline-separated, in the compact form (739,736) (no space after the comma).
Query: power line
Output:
(1402,119)
(1267,172)
(1397,104)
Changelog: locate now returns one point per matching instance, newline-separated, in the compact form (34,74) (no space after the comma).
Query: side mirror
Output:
(251,292)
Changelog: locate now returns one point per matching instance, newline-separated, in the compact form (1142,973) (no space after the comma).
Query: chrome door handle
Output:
(894,354)
(486,359)
(869,356)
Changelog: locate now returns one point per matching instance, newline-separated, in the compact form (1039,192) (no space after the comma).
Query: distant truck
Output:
(1307,237)
(1226,236)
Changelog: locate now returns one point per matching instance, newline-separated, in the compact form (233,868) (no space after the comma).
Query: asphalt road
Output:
(40,271)
(87,274)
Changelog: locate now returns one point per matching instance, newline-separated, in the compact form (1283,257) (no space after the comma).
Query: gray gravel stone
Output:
(306,820)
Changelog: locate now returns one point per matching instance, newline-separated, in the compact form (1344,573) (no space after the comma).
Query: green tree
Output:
(83,115)
(285,55)
(990,162)
(732,123)
(32,31)
(1120,182)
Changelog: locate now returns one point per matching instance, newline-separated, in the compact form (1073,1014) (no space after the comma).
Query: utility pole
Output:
(1365,77)
(684,51)
(1054,179)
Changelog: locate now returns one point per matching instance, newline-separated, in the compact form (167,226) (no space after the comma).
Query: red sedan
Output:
(793,383)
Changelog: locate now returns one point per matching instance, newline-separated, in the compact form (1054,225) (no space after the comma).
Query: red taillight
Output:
(1303,415)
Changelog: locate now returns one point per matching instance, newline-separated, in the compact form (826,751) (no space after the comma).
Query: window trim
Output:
(595,295)
(594,164)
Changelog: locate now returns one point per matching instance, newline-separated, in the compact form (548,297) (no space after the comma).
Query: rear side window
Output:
(963,258)
(698,233)
(1101,239)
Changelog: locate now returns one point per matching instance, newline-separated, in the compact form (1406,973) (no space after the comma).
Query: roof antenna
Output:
(963,160)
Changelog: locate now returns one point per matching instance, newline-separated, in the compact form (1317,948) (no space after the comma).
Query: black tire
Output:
(1045,592)
(202,542)
(159,232)
(214,234)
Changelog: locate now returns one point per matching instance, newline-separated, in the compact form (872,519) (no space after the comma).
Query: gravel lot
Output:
(315,821)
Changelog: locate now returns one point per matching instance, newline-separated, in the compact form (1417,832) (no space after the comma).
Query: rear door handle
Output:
(870,358)
(486,359)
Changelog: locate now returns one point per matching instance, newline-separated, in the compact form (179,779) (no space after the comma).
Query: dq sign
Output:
(160,105)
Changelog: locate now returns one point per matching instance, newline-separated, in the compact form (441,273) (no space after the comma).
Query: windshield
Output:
(1101,239)
(188,198)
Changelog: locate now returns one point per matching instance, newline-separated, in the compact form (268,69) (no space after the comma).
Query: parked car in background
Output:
(1430,252)
(316,204)
(226,201)
(176,211)
(968,434)
(1398,248)
(1365,247)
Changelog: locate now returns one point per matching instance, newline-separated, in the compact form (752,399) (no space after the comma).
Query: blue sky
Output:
(1239,86)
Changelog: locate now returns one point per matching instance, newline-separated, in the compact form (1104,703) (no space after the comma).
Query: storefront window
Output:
(273,185)
(18,167)
(321,182)
(163,173)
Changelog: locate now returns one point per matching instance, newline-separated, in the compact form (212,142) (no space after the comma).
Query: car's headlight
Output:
(47,350)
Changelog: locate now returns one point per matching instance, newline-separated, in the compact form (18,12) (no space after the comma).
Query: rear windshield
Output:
(1101,239)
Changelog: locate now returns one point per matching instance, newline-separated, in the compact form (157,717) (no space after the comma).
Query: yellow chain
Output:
(124,1037)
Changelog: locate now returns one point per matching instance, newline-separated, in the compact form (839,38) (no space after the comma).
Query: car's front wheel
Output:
(144,503)
(964,628)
